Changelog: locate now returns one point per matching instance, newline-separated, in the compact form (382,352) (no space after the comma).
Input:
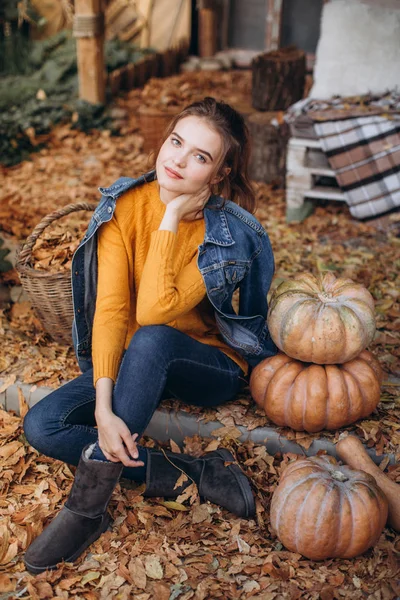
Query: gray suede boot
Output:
(82,519)
(227,485)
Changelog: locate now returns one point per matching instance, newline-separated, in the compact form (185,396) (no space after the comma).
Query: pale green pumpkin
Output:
(327,320)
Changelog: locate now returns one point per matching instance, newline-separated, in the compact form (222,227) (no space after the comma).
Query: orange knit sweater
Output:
(149,277)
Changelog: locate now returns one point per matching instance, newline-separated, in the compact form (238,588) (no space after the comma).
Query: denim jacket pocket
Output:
(238,336)
(234,273)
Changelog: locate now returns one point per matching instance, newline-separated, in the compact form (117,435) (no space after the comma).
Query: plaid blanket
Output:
(361,138)
(364,152)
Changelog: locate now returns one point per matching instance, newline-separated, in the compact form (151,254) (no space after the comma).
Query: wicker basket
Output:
(49,293)
(153,123)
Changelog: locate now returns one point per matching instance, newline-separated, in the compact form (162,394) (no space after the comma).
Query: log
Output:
(269,138)
(352,451)
(278,78)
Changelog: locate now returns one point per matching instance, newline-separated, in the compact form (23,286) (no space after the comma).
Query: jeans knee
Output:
(35,428)
(152,340)
(32,426)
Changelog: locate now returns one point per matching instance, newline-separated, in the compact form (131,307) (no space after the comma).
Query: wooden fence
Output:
(157,64)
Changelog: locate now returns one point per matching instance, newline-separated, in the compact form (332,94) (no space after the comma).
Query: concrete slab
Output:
(168,424)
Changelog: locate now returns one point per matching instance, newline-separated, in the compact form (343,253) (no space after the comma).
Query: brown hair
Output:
(230,125)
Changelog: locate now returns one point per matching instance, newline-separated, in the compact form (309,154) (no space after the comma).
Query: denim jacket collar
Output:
(217,229)
(125,183)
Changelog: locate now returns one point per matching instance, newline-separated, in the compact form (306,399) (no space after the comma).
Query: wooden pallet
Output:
(306,164)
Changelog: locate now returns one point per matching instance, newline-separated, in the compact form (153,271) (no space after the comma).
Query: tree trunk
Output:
(269,138)
(278,78)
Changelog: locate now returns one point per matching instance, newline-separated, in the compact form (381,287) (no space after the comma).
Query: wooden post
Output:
(146,9)
(225,24)
(273,29)
(207,32)
(89,33)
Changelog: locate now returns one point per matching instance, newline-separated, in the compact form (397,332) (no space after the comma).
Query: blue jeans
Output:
(160,362)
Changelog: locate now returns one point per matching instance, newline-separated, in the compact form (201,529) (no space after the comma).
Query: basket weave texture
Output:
(153,123)
(49,293)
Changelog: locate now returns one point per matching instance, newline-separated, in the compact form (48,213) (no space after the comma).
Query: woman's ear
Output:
(224,173)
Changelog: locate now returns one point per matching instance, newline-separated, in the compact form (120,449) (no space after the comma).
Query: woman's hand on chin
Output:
(189,207)
(185,207)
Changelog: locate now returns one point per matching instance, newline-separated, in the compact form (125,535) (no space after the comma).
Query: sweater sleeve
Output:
(112,304)
(163,294)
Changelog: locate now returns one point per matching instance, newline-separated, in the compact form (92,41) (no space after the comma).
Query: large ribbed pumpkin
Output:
(311,397)
(324,320)
(323,510)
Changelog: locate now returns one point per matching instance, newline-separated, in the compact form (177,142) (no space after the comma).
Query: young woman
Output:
(153,281)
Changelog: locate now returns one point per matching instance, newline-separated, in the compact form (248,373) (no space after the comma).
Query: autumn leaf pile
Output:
(157,551)
(55,247)
(178,91)
(160,550)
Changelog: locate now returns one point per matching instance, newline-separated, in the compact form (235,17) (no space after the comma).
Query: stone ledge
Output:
(169,424)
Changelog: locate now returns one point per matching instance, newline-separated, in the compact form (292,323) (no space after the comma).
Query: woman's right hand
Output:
(189,207)
(116,441)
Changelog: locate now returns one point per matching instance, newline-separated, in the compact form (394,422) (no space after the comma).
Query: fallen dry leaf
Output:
(23,405)
(138,573)
(227,432)
(214,445)
(6,583)
(201,513)
(9,380)
(181,480)
(175,505)
(153,567)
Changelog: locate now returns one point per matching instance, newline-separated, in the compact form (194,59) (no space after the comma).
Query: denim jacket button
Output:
(109,209)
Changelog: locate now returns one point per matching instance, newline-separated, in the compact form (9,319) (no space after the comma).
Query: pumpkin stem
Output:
(326,297)
(339,476)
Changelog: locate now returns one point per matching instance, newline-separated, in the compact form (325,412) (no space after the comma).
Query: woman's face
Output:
(188,158)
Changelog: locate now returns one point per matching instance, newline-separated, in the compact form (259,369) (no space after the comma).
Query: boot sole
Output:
(242,482)
(103,527)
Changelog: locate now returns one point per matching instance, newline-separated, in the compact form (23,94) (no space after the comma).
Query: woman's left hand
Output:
(116,441)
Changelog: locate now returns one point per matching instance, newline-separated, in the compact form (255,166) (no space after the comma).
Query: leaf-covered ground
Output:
(72,168)
(162,551)
(155,551)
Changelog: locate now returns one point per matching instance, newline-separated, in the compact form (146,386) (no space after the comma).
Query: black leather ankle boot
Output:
(227,485)
(82,519)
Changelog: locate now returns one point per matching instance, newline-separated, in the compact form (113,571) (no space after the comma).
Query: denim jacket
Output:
(236,252)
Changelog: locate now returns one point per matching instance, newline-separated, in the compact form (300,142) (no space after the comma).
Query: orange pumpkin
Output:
(324,320)
(312,397)
(323,510)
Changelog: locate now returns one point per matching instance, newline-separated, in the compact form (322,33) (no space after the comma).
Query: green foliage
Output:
(14,49)
(14,35)
(50,72)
